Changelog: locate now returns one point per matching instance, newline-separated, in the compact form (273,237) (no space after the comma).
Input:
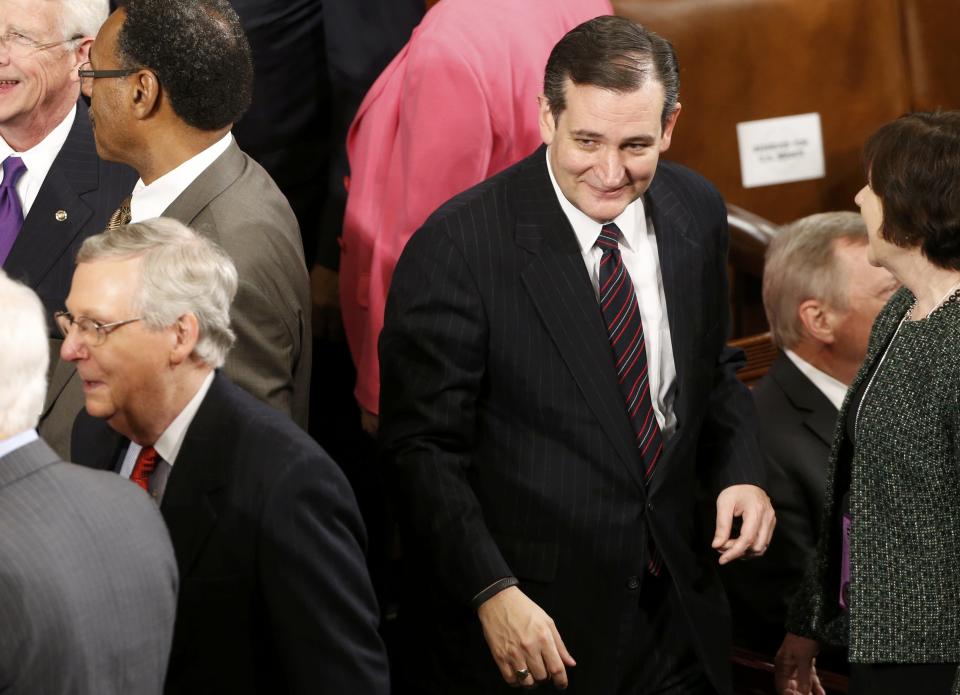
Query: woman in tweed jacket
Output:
(887,577)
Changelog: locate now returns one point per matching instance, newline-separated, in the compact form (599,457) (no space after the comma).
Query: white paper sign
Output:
(781,150)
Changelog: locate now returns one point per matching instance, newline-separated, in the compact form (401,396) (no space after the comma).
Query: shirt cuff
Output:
(493,589)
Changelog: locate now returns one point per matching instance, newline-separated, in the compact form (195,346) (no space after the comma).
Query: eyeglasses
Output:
(92,332)
(87,76)
(15,42)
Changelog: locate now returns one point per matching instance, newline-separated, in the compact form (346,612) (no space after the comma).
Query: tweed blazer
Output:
(904,482)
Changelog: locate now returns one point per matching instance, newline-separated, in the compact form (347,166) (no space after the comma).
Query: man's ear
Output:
(668,128)
(145,94)
(81,55)
(818,320)
(187,334)
(548,125)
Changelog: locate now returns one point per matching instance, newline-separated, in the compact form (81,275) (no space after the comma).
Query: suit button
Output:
(633,583)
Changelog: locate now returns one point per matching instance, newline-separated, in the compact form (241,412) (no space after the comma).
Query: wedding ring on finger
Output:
(522,674)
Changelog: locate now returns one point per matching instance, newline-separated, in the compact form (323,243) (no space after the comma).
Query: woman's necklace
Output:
(952,295)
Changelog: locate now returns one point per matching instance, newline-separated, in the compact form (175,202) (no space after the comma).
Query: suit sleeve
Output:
(320,602)
(728,443)
(433,356)
(444,145)
(262,360)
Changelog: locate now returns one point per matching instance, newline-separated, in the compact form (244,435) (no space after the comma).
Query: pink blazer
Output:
(457,105)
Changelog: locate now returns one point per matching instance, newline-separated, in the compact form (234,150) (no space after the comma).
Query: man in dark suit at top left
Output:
(55,191)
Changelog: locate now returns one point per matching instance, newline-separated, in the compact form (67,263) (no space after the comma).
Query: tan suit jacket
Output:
(235,203)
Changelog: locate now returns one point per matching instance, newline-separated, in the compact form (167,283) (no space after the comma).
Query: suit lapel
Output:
(819,415)
(58,214)
(676,251)
(192,498)
(560,288)
(215,179)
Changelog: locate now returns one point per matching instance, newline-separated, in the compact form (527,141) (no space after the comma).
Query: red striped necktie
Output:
(621,314)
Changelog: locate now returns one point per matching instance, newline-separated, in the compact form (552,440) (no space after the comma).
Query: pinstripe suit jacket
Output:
(504,424)
(88,584)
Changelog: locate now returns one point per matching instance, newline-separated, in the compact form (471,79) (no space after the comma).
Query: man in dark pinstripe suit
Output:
(532,488)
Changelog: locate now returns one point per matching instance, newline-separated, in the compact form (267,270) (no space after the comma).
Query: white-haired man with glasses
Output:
(275,592)
(54,191)
(89,581)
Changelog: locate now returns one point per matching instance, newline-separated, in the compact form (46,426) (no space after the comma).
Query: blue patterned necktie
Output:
(11,214)
(621,314)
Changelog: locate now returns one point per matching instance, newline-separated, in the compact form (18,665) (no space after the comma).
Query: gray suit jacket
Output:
(235,203)
(89,581)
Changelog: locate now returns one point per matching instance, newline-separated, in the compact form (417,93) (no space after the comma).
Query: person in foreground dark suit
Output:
(63,192)
(184,77)
(821,297)
(275,596)
(88,583)
(550,527)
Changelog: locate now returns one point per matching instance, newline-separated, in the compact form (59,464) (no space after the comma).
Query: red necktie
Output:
(146,462)
(621,314)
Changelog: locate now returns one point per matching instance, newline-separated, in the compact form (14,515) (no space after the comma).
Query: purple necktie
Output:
(11,214)
(621,313)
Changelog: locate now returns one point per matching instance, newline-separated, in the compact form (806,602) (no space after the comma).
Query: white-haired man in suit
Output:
(89,582)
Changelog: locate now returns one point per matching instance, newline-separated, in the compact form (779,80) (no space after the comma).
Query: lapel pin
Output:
(61,215)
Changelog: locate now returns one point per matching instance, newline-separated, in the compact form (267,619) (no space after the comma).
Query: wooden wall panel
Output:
(744,60)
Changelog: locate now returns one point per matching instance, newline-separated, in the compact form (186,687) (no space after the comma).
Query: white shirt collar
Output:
(169,442)
(149,201)
(38,160)
(834,389)
(11,444)
(588,229)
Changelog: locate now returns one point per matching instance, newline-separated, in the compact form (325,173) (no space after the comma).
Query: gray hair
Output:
(182,273)
(801,264)
(82,17)
(24,357)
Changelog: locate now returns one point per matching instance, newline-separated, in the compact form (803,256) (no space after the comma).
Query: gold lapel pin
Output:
(61,215)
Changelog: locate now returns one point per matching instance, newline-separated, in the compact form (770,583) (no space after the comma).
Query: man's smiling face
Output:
(604,147)
(37,66)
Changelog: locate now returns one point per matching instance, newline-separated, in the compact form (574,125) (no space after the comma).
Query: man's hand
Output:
(521,636)
(325,297)
(752,504)
(795,672)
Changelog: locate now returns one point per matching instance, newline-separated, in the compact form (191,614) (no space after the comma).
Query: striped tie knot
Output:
(609,238)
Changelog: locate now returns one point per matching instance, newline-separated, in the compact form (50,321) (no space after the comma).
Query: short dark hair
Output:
(913,166)
(612,53)
(199,53)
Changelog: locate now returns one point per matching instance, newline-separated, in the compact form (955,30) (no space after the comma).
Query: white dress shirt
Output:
(833,389)
(38,160)
(147,202)
(169,442)
(638,248)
